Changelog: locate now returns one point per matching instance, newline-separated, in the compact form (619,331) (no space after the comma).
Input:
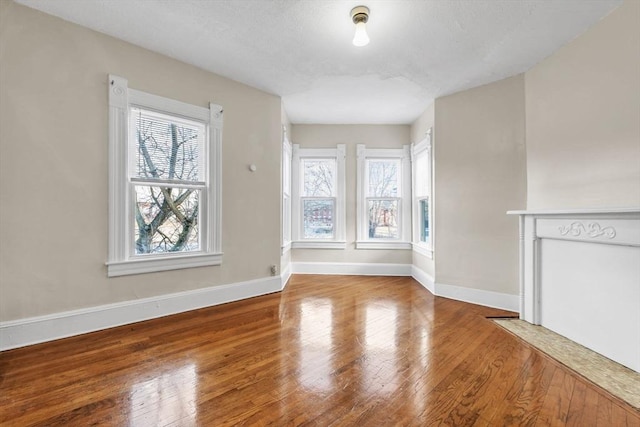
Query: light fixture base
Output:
(360,14)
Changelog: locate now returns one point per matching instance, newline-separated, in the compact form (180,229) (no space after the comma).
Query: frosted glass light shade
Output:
(361,38)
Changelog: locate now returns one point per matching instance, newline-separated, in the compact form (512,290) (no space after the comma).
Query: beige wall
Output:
(418,130)
(479,175)
(583,118)
(374,136)
(53,166)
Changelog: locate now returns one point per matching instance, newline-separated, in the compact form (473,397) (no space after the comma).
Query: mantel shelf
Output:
(576,211)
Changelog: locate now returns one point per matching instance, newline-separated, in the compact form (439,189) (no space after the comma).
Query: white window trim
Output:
(339,240)
(121,259)
(421,249)
(287,156)
(363,240)
(424,147)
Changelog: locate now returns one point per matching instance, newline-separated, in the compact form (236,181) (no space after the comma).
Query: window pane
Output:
(166,147)
(383,178)
(318,219)
(166,220)
(319,177)
(383,219)
(423,175)
(424,220)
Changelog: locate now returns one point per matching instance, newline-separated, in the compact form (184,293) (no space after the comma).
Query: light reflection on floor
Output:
(168,398)
(316,344)
(171,395)
(381,369)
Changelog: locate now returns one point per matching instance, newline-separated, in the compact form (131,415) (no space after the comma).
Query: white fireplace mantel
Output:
(580,277)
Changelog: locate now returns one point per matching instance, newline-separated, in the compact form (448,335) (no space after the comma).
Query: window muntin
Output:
(164,182)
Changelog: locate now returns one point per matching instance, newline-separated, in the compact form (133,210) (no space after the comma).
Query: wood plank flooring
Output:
(327,351)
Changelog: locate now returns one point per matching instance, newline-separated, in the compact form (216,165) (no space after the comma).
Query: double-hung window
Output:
(164,182)
(384,198)
(422,168)
(318,214)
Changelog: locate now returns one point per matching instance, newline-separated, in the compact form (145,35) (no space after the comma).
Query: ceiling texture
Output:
(301,49)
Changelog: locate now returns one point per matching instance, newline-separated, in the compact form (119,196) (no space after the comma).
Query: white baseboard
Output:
(285,275)
(424,278)
(357,269)
(480,297)
(470,295)
(34,330)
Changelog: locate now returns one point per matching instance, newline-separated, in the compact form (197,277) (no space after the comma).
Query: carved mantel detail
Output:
(593,229)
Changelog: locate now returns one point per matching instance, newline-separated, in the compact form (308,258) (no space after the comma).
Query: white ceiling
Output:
(302,51)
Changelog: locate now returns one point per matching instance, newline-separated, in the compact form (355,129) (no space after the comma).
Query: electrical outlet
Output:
(274,270)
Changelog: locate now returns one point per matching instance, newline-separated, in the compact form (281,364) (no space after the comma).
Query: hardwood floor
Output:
(327,351)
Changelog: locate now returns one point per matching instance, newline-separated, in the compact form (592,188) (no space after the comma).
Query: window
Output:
(286,191)
(422,196)
(383,197)
(164,182)
(318,215)
(384,206)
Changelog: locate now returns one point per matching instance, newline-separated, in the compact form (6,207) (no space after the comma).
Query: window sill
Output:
(423,250)
(155,264)
(319,245)
(382,245)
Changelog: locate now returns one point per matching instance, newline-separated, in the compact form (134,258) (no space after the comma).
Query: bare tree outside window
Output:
(383,200)
(166,173)
(319,177)
(318,200)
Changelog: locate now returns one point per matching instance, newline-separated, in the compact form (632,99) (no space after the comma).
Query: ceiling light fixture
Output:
(360,16)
